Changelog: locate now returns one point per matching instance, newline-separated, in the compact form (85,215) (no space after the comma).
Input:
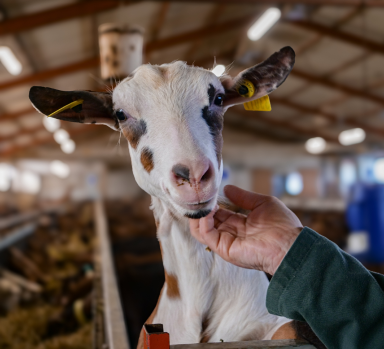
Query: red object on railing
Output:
(155,337)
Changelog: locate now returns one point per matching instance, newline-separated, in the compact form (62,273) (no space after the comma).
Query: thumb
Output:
(243,198)
(205,232)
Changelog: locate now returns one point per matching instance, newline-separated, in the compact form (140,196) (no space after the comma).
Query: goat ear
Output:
(259,80)
(86,107)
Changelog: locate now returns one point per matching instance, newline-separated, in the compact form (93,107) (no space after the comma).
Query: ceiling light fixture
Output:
(264,23)
(61,136)
(9,60)
(352,136)
(68,146)
(51,124)
(218,70)
(315,145)
(60,169)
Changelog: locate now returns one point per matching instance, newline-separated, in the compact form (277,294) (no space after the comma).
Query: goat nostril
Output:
(181,171)
(206,175)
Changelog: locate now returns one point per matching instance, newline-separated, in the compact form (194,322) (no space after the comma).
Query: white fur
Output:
(170,99)
(232,298)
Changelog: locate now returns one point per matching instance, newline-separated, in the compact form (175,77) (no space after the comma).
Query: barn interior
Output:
(319,150)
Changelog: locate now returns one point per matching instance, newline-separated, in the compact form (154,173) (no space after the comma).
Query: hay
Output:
(26,329)
(78,340)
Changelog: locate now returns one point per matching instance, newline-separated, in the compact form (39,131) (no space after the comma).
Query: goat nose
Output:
(181,171)
(200,171)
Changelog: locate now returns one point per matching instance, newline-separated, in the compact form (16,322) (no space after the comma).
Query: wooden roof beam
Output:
(159,20)
(286,124)
(48,139)
(94,62)
(57,14)
(337,86)
(373,3)
(15,115)
(329,116)
(367,44)
(85,8)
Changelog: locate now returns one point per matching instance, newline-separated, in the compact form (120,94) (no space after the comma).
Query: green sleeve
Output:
(334,293)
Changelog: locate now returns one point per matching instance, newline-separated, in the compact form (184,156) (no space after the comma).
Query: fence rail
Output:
(115,329)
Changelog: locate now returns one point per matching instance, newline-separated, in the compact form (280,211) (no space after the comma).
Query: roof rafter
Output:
(286,124)
(329,116)
(151,46)
(85,8)
(57,14)
(48,139)
(374,3)
(340,35)
(337,86)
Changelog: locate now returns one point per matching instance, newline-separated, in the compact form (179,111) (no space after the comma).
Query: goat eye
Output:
(121,115)
(219,100)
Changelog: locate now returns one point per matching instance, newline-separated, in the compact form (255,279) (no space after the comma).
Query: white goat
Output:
(172,117)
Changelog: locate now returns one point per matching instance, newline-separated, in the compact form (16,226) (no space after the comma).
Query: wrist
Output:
(286,244)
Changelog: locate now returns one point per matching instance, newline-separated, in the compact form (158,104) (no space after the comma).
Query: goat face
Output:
(172,117)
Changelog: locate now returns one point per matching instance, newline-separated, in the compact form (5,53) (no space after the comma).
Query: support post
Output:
(155,337)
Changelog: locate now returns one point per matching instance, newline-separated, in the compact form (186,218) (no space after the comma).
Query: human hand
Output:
(257,241)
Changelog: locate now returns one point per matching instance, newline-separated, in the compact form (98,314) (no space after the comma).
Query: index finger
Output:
(243,198)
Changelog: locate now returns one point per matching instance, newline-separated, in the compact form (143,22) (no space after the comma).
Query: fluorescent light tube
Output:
(315,145)
(51,124)
(264,23)
(9,60)
(68,146)
(352,136)
(61,136)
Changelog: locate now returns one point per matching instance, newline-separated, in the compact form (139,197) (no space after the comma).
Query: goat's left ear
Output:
(259,80)
(86,107)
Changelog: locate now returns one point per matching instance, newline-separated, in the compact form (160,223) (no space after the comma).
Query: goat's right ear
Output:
(259,80)
(86,107)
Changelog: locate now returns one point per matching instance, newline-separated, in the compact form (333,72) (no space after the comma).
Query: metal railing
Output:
(115,330)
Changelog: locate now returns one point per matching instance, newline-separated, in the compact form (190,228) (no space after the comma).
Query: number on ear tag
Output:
(261,104)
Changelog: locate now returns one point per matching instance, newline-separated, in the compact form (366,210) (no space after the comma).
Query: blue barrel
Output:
(365,212)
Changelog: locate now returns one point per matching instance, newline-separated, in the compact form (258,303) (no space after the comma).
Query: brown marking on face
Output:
(146,159)
(172,285)
(285,332)
(134,131)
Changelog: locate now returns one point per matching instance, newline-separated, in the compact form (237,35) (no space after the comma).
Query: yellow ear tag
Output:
(247,89)
(260,104)
(68,106)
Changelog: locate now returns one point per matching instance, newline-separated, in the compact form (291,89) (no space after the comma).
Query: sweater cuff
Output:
(286,272)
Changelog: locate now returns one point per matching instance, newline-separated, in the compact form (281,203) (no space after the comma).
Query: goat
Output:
(172,117)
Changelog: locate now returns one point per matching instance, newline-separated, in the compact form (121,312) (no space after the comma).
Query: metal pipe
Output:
(116,333)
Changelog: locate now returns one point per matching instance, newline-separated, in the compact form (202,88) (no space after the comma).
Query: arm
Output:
(340,299)
(314,281)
